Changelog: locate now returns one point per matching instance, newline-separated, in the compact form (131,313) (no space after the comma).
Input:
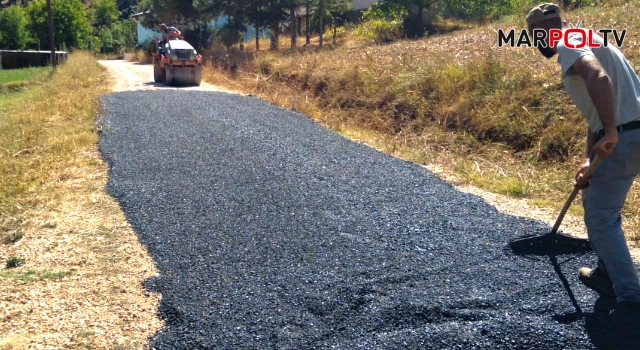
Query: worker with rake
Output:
(606,90)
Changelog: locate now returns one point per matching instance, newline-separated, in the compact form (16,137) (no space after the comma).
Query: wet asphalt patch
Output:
(271,232)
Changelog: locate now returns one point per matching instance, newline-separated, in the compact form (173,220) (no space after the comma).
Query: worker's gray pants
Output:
(602,202)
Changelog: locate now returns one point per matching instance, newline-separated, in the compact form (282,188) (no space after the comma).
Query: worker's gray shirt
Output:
(626,85)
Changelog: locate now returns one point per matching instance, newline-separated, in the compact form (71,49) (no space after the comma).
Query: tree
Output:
(325,7)
(256,16)
(236,25)
(414,22)
(200,34)
(321,15)
(9,3)
(259,13)
(178,13)
(385,10)
(307,29)
(269,13)
(13,33)
(229,35)
(276,14)
(292,22)
(148,20)
(191,17)
(237,12)
(71,25)
(483,9)
(104,13)
(120,34)
(126,8)
(337,18)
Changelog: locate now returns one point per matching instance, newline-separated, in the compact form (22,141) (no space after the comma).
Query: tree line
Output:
(276,15)
(106,26)
(99,25)
(263,15)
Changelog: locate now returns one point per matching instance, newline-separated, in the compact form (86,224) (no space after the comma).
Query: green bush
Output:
(384,10)
(103,13)
(229,36)
(380,31)
(480,10)
(14,236)
(14,262)
(580,3)
(120,35)
(200,35)
(13,28)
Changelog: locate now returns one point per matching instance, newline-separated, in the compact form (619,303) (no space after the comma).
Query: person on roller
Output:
(167,32)
(606,89)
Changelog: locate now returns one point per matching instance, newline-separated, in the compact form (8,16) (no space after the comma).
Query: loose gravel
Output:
(271,232)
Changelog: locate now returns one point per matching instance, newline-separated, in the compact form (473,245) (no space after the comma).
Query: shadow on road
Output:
(613,332)
(605,331)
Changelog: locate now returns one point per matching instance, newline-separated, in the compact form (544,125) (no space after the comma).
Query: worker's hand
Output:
(605,146)
(579,181)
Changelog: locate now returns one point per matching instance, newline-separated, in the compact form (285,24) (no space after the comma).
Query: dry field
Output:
(79,266)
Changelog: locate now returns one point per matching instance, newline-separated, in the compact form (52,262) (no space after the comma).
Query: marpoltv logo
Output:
(539,38)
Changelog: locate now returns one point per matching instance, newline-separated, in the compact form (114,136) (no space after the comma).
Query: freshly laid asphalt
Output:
(270,232)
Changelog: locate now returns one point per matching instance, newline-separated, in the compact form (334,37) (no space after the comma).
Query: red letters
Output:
(583,35)
(554,36)
(591,43)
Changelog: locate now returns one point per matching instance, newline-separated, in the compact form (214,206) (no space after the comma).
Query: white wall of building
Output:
(146,34)
(362,4)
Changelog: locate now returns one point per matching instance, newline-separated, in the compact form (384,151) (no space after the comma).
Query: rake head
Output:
(556,244)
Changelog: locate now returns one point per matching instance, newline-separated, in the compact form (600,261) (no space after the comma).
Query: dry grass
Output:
(138,55)
(80,285)
(494,117)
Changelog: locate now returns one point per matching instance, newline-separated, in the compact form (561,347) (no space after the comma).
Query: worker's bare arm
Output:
(600,90)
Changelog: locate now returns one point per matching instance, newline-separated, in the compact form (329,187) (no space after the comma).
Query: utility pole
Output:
(292,27)
(307,29)
(52,45)
(321,17)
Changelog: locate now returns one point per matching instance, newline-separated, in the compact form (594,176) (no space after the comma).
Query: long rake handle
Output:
(574,193)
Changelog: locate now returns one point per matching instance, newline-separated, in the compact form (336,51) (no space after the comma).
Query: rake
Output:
(554,242)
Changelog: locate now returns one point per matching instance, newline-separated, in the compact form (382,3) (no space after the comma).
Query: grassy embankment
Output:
(70,269)
(497,118)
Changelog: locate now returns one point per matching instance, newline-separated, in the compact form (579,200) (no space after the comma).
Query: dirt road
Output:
(131,76)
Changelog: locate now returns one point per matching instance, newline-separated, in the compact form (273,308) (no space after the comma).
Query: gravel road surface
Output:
(132,76)
(272,232)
